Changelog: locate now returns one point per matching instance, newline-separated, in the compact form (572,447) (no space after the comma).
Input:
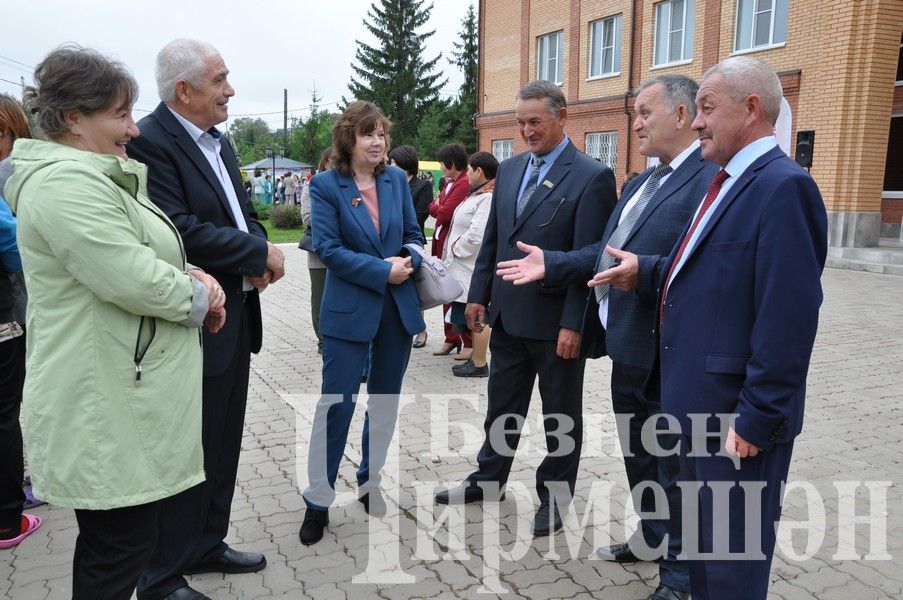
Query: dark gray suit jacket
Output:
(567,211)
(630,338)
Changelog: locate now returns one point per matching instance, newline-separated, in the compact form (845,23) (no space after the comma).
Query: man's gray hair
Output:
(676,90)
(181,59)
(544,90)
(746,76)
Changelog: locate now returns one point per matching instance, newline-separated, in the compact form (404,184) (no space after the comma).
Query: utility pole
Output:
(284,122)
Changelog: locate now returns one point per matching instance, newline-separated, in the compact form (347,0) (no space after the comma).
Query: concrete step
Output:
(881,255)
(850,264)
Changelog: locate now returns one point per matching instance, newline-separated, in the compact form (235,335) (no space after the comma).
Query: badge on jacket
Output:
(355,202)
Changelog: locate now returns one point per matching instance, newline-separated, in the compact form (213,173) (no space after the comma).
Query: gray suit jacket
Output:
(566,212)
(630,338)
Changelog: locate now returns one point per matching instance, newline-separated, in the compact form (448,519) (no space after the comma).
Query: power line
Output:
(16,61)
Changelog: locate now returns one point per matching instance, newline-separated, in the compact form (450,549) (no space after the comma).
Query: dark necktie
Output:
(714,188)
(531,186)
(625,227)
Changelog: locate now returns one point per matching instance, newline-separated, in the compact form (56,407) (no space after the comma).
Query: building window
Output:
(550,57)
(900,64)
(603,146)
(502,149)
(674,22)
(605,47)
(760,24)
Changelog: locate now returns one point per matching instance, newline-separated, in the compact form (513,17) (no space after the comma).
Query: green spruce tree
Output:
(394,74)
(464,57)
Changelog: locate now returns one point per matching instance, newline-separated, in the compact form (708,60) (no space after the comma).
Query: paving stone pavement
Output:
(854,433)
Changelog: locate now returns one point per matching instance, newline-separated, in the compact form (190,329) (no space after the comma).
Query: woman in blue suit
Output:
(362,217)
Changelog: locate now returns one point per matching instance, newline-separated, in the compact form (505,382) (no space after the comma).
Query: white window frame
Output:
(686,28)
(545,45)
(503,149)
(899,82)
(614,47)
(603,145)
(754,10)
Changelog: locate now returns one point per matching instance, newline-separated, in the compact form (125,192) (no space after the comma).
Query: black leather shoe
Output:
(463,494)
(315,521)
(622,553)
(469,369)
(374,503)
(666,592)
(547,520)
(185,593)
(230,561)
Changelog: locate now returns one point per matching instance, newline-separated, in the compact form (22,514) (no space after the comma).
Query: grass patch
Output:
(279,236)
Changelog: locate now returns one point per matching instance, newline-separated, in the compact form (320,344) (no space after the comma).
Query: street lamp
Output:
(271,153)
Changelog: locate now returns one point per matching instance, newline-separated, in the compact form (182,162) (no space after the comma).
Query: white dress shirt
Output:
(210,146)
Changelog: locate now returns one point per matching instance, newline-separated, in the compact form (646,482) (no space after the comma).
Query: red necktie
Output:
(710,196)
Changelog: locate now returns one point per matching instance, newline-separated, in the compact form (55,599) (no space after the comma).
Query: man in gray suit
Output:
(559,198)
(654,209)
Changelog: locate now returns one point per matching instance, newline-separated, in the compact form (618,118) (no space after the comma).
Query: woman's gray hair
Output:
(76,78)
(746,76)
(544,90)
(181,59)
(676,90)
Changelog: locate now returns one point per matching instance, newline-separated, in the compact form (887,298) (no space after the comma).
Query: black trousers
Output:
(12,377)
(515,364)
(628,398)
(196,521)
(111,550)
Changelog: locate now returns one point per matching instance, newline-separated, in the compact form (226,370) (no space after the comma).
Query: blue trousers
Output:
(343,362)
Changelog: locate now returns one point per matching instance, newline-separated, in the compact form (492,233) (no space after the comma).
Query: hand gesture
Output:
(524,270)
(401,269)
(623,276)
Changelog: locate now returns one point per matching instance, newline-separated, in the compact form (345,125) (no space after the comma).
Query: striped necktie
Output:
(625,227)
(531,186)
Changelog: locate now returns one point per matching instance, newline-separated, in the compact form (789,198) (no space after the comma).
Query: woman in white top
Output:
(461,248)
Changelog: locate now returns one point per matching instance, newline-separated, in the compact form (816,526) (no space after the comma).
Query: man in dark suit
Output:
(193,176)
(654,209)
(559,198)
(738,311)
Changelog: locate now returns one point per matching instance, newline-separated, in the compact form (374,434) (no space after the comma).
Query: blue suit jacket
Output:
(630,337)
(347,242)
(741,314)
(567,211)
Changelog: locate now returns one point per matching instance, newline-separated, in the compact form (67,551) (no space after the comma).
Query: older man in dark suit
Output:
(193,176)
(653,211)
(738,312)
(556,197)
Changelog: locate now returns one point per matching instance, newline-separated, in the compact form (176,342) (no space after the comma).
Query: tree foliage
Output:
(250,138)
(394,74)
(464,56)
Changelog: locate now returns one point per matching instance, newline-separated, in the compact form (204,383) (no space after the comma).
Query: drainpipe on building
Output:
(630,82)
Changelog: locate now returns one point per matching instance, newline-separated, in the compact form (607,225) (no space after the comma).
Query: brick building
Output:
(840,63)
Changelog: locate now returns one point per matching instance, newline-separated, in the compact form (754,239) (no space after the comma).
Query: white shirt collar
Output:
(680,158)
(193,130)
(749,154)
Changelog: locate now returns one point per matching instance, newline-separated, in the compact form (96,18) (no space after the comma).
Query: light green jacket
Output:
(105,271)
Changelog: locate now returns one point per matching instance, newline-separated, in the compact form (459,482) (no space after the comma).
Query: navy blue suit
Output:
(360,310)
(736,336)
(567,211)
(630,340)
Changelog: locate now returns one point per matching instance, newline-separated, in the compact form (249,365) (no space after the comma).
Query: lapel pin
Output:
(355,201)
(548,184)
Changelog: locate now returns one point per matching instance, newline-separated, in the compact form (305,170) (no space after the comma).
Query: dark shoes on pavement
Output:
(463,494)
(315,521)
(185,593)
(621,553)
(469,369)
(374,503)
(666,592)
(230,561)
(547,520)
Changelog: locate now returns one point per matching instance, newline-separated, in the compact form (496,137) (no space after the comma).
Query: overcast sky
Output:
(267,45)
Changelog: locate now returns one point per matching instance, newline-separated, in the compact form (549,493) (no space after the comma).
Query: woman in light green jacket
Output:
(112,397)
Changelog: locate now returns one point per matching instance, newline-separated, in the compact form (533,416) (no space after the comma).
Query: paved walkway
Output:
(854,432)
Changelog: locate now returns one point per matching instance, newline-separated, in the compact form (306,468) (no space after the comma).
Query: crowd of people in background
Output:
(148,231)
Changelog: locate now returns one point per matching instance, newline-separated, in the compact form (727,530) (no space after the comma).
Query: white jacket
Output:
(466,236)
